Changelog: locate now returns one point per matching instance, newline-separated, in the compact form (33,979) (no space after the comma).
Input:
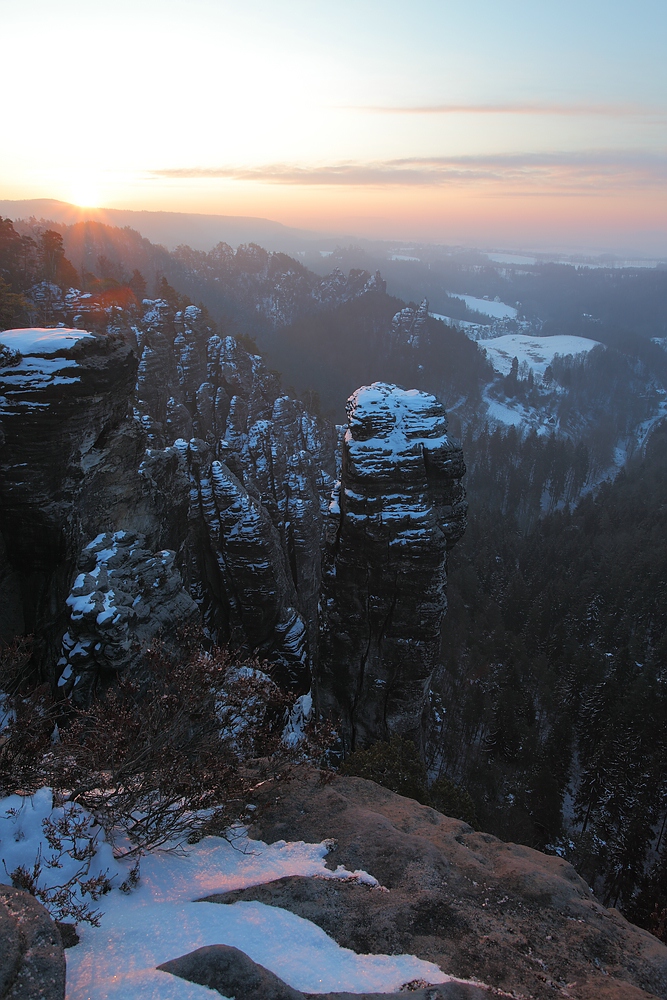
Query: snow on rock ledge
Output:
(121,598)
(399,506)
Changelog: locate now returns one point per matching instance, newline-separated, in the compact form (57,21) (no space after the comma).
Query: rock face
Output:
(32,960)
(502,914)
(61,393)
(122,597)
(398,508)
(202,465)
(160,466)
(409,329)
(260,469)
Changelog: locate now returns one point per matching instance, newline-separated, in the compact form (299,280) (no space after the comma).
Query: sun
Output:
(85,192)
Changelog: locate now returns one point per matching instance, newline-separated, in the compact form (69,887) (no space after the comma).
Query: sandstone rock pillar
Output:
(397,509)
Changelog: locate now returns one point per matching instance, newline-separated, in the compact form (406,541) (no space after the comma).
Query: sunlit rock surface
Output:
(398,508)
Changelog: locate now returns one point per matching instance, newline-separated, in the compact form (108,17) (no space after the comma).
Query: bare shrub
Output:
(158,760)
(73,836)
(158,756)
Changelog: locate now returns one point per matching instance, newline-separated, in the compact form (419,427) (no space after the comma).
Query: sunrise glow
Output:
(85,193)
(433,121)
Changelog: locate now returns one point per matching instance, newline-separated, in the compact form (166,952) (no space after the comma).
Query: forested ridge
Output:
(553,693)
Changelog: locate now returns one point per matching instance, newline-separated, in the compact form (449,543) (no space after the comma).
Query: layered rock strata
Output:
(246,572)
(63,393)
(123,596)
(200,455)
(409,329)
(255,563)
(397,509)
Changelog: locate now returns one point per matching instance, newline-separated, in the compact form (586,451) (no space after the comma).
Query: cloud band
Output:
(564,173)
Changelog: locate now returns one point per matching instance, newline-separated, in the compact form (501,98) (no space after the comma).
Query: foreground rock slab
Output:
(501,914)
(32,960)
(232,973)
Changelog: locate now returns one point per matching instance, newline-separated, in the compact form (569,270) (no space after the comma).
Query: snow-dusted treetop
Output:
(41,340)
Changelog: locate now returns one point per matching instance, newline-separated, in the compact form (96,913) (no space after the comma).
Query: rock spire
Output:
(398,507)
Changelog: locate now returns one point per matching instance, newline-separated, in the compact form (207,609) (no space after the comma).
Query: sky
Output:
(515,124)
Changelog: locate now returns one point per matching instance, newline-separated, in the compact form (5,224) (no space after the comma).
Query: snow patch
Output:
(537,352)
(159,920)
(301,712)
(40,340)
(488,307)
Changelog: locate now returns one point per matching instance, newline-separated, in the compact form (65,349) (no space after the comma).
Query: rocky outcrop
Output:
(398,508)
(62,395)
(213,465)
(260,469)
(409,329)
(246,572)
(231,477)
(75,467)
(32,960)
(503,914)
(123,596)
(268,289)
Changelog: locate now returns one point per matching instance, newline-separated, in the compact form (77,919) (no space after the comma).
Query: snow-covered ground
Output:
(464,324)
(537,352)
(511,258)
(573,259)
(160,920)
(40,340)
(488,307)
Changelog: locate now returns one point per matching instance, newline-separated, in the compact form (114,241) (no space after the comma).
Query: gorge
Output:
(158,475)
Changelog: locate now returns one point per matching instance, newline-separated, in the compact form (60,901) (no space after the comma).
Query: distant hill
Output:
(201,232)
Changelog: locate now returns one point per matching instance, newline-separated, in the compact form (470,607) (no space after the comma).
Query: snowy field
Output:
(512,258)
(496,310)
(160,920)
(573,260)
(537,352)
(464,324)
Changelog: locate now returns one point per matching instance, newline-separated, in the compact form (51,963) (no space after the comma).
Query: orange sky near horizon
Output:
(468,123)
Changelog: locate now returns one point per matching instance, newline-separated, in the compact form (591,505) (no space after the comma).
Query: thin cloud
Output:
(586,173)
(527,108)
